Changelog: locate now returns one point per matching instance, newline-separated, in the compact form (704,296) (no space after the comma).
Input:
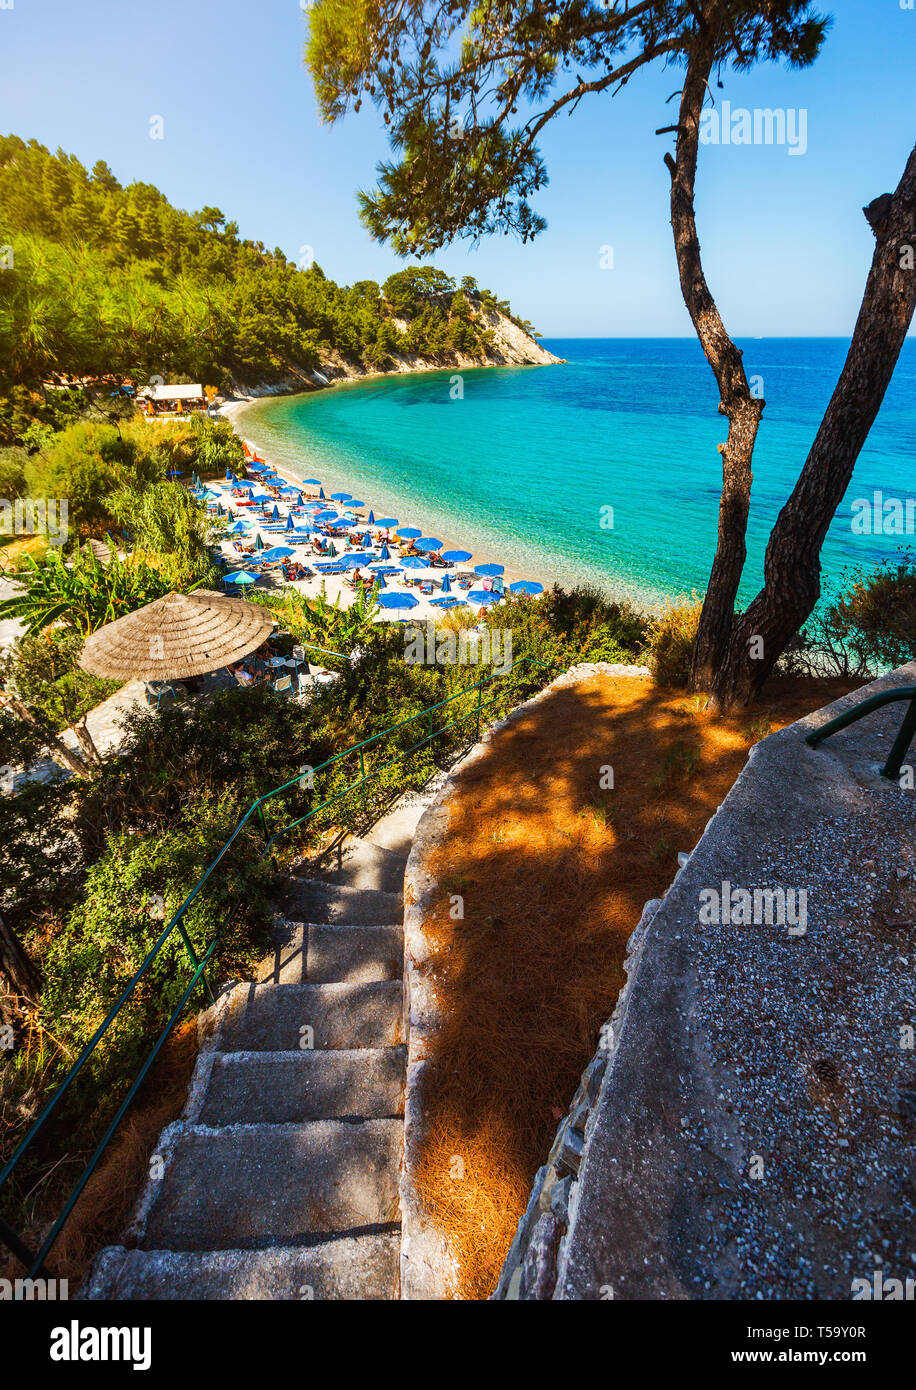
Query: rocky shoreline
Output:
(513,348)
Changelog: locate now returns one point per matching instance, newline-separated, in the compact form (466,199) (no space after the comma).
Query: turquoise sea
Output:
(520,467)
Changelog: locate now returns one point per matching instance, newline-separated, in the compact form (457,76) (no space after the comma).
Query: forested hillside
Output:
(100,279)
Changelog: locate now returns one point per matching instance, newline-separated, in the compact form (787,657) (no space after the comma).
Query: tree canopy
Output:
(112,280)
(466,89)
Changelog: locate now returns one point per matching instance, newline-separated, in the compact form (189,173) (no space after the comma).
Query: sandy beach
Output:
(334,585)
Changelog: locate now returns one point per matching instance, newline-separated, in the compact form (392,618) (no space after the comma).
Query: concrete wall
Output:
(747,1128)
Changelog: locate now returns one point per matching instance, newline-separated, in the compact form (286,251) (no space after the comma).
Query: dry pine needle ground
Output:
(554,870)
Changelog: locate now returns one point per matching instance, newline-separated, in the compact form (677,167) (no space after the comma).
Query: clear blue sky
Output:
(784,240)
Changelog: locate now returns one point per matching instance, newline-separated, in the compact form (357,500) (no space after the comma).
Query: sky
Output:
(785,245)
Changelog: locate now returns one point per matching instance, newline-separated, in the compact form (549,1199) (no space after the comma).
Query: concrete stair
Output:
(282,1174)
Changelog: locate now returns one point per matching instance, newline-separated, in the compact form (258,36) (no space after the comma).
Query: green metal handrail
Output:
(35,1260)
(895,757)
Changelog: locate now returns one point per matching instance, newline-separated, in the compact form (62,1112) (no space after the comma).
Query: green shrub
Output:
(671,641)
(82,594)
(865,627)
(41,669)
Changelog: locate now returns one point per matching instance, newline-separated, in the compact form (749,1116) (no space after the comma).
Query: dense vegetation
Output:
(103,280)
(90,867)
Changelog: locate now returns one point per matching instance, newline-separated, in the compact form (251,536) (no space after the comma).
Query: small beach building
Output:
(174,400)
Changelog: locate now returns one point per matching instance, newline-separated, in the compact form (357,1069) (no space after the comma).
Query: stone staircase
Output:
(280,1181)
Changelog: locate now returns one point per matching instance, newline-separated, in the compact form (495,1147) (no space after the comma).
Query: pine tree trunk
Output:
(15,967)
(19,979)
(742,410)
(54,745)
(792,567)
(86,742)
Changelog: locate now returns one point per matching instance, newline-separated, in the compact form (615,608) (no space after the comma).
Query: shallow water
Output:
(524,465)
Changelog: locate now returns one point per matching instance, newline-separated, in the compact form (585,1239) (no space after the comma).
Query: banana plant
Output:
(81,594)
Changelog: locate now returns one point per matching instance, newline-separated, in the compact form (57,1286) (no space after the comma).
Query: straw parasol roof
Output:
(176,636)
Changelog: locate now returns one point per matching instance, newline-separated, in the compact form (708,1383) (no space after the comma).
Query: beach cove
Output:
(524,465)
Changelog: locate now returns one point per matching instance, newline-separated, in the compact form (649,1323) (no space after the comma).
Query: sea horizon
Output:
(602,470)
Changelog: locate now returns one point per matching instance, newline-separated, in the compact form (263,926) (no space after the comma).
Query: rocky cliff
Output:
(512,347)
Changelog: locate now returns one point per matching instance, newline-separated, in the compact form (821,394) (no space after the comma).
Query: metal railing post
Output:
(8,1237)
(891,768)
(182,932)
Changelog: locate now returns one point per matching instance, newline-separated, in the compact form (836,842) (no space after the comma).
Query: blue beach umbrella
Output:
(526,586)
(415,562)
(321,493)
(241,577)
(341,496)
(456,557)
(371,518)
(300,500)
(353,503)
(489,569)
(384,553)
(275,514)
(366,540)
(278,552)
(409,533)
(258,544)
(311,482)
(236,527)
(428,543)
(395,600)
(290,524)
(384,522)
(380,580)
(327,517)
(483,596)
(446,584)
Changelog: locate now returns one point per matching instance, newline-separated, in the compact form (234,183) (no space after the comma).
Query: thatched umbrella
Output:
(177,636)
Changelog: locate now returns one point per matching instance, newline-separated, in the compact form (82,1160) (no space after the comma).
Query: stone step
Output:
(248,1187)
(355,863)
(290,1087)
(396,828)
(311,900)
(333,954)
(349,1267)
(272,1018)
